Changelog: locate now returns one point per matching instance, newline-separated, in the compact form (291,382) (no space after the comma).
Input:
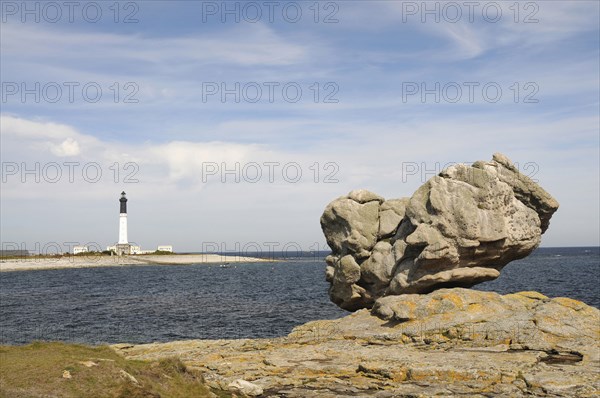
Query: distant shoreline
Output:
(66,262)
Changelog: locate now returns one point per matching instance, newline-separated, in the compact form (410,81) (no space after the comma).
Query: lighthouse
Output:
(123,247)
(123,220)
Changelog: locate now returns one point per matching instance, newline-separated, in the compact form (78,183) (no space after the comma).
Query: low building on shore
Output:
(135,249)
(80,249)
(138,250)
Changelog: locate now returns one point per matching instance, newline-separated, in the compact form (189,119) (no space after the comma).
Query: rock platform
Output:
(451,342)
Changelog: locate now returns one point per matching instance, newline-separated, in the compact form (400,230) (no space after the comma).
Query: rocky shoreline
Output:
(446,343)
(403,265)
(34,263)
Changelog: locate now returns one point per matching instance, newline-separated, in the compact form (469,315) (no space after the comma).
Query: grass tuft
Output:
(36,370)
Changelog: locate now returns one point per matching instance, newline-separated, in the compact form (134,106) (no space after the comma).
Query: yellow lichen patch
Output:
(532,295)
(445,304)
(516,299)
(405,339)
(454,299)
(476,308)
(411,306)
(433,307)
(528,299)
(447,317)
(400,374)
(452,375)
(569,303)
(212,357)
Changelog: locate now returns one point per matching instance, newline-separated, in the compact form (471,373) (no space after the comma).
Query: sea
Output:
(143,304)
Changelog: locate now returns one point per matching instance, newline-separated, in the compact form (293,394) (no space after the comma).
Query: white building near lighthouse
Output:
(80,249)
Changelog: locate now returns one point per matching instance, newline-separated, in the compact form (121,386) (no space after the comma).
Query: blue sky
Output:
(157,121)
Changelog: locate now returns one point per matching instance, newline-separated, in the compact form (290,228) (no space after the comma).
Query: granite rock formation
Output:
(458,229)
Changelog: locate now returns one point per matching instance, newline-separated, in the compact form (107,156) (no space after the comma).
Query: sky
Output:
(231,125)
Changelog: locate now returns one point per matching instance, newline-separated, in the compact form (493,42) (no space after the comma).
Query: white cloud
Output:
(27,129)
(190,161)
(68,147)
(58,139)
(369,155)
(535,26)
(245,45)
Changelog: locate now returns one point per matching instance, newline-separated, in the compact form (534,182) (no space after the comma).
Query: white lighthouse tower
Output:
(123,247)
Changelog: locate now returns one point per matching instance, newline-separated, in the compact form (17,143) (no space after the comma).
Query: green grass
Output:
(161,253)
(36,370)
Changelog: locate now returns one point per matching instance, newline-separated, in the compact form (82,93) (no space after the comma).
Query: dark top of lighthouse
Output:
(123,201)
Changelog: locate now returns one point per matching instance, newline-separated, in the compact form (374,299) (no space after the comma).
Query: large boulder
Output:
(458,229)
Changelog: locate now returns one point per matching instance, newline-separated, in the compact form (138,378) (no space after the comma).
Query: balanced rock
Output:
(458,229)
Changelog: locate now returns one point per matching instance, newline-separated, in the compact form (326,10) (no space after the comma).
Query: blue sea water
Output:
(163,303)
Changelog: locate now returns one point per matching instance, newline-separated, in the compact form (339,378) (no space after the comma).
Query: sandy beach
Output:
(33,263)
